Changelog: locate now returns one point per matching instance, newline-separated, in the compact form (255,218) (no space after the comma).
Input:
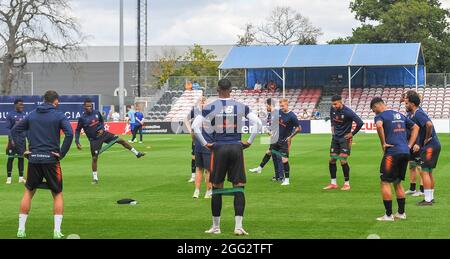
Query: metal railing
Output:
(438,79)
(206,82)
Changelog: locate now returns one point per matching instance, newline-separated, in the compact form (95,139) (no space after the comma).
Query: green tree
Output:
(198,62)
(165,67)
(390,21)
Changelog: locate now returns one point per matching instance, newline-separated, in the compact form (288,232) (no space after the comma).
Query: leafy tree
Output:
(398,21)
(198,62)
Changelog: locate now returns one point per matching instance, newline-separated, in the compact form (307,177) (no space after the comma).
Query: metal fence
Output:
(438,79)
(207,82)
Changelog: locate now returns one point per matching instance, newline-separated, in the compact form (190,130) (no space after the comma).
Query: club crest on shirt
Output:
(228,109)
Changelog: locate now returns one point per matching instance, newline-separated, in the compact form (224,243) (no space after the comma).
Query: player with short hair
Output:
(91,121)
(278,166)
(285,127)
(428,146)
(414,160)
(391,128)
(187,122)
(227,118)
(131,118)
(138,125)
(342,119)
(12,118)
(43,127)
(202,154)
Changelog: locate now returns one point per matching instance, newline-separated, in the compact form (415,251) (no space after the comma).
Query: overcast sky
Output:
(182,22)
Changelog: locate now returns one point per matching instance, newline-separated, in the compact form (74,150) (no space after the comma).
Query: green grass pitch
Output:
(166,209)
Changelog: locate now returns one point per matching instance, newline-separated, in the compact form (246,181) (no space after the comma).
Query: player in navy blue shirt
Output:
(428,146)
(414,159)
(12,118)
(285,126)
(227,118)
(91,121)
(392,129)
(43,127)
(277,163)
(342,119)
(138,124)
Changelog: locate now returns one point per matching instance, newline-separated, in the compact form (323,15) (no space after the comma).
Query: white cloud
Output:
(180,22)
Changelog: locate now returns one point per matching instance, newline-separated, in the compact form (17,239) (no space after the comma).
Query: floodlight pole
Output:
(121,65)
(139,48)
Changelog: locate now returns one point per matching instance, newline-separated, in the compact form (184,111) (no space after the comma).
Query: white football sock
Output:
(58,222)
(95,176)
(333,181)
(216,222)
(347,183)
(22,221)
(193,176)
(428,195)
(134,151)
(432,194)
(238,221)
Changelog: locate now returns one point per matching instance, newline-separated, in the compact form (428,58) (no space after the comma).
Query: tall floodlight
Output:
(142,44)
(121,65)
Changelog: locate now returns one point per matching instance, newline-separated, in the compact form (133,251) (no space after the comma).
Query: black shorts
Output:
(429,157)
(414,160)
(228,160)
(280,149)
(39,174)
(341,148)
(15,150)
(96,144)
(393,168)
(203,160)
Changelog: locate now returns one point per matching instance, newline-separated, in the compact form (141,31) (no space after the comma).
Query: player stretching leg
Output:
(284,129)
(43,127)
(428,146)
(276,160)
(391,128)
(14,117)
(226,116)
(342,118)
(91,122)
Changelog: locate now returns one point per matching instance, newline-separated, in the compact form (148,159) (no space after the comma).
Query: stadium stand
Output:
(436,101)
(183,105)
(174,105)
(161,109)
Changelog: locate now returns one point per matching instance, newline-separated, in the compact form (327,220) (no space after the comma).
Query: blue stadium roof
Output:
(256,57)
(303,56)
